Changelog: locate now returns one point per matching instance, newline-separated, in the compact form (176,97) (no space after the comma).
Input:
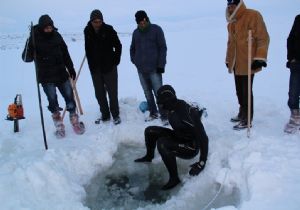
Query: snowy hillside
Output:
(96,170)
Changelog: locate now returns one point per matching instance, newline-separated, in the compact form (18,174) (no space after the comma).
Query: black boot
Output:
(145,159)
(171,183)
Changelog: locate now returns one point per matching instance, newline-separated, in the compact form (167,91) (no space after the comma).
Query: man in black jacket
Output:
(293,63)
(103,50)
(52,59)
(184,141)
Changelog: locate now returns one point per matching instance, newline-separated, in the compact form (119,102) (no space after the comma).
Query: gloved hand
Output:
(258,64)
(160,70)
(288,64)
(72,73)
(196,168)
(226,65)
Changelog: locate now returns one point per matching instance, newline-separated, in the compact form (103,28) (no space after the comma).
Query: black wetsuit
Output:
(184,141)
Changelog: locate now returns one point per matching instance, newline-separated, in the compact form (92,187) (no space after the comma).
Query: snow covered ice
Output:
(261,172)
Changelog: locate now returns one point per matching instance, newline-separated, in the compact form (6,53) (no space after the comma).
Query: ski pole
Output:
(249,81)
(38,86)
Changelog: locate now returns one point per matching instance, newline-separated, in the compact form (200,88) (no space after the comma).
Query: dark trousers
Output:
(169,147)
(294,85)
(66,91)
(107,84)
(241,87)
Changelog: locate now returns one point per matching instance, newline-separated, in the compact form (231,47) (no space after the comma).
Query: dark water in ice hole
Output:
(129,185)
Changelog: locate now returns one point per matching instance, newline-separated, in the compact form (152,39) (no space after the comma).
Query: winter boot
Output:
(294,123)
(117,120)
(78,126)
(238,117)
(243,124)
(59,125)
(151,117)
(103,118)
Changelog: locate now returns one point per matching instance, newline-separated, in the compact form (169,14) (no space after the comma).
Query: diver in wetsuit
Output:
(184,141)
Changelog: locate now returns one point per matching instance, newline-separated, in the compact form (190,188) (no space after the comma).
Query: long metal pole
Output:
(38,87)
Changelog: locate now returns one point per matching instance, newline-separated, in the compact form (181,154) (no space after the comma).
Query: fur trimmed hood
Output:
(237,12)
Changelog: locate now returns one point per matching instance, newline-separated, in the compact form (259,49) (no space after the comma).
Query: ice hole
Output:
(130,185)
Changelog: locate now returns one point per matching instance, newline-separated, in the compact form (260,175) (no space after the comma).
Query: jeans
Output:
(66,91)
(294,85)
(151,82)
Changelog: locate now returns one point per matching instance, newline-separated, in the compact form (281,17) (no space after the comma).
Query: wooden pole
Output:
(76,96)
(249,81)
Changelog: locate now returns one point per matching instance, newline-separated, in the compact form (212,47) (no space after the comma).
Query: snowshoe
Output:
(78,127)
(59,125)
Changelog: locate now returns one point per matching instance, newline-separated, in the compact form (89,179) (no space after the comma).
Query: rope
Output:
(217,194)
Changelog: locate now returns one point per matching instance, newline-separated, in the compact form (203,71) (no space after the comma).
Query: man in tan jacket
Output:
(240,21)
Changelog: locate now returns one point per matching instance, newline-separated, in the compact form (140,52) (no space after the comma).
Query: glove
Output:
(160,70)
(258,64)
(72,74)
(196,168)
(226,65)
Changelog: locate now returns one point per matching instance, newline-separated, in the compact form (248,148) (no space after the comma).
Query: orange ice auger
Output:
(16,112)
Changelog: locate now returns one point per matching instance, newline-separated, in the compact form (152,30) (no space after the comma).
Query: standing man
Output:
(52,59)
(103,51)
(148,52)
(240,21)
(293,63)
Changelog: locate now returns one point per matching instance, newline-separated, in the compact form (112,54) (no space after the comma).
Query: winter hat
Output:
(230,2)
(166,95)
(45,21)
(140,16)
(96,14)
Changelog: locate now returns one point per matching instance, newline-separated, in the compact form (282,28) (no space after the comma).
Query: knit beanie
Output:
(96,14)
(45,21)
(140,16)
(236,2)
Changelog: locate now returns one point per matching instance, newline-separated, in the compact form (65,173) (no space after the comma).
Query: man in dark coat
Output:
(103,51)
(52,59)
(148,51)
(185,140)
(293,63)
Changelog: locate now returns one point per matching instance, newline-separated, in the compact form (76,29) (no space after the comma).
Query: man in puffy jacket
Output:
(52,59)
(148,51)
(293,63)
(240,21)
(103,51)
(185,140)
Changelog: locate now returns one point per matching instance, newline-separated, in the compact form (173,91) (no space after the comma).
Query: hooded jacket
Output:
(52,55)
(239,23)
(103,49)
